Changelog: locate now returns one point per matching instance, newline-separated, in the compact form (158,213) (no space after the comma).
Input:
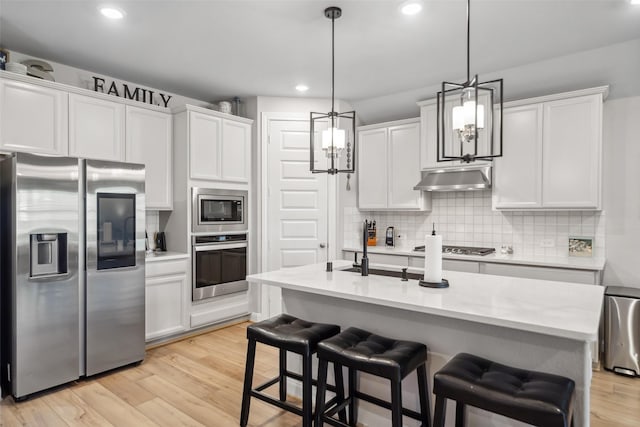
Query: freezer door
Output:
(45,330)
(115,312)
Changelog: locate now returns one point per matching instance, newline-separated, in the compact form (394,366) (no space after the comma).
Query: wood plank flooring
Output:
(198,382)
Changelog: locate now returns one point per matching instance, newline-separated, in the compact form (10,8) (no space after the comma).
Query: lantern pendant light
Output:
(340,134)
(469,116)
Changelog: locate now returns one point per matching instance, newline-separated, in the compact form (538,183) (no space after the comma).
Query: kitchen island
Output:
(532,324)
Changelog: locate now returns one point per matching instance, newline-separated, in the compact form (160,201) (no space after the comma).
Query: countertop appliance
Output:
(622,330)
(390,237)
(219,265)
(461,250)
(72,265)
(218,211)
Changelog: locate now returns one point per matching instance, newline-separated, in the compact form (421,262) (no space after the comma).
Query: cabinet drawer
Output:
(464,266)
(541,273)
(166,268)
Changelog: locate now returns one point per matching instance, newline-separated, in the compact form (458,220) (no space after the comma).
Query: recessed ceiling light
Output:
(411,7)
(112,12)
(634,1)
(302,88)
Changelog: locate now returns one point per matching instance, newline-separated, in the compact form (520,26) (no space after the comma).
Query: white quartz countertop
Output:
(576,263)
(560,309)
(165,256)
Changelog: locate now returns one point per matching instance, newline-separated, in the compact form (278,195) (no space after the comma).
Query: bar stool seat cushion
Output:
(537,397)
(290,333)
(373,354)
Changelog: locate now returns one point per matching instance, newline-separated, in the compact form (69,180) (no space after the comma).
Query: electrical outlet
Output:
(548,243)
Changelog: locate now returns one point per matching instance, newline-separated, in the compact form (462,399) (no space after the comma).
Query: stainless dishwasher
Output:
(622,330)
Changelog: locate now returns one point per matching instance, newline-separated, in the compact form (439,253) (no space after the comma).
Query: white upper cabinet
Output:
(552,157)
(517,174)
(429,141)
(572,153)
(372,169)
(389,167)
(96,128)
(219,147)
(148,141)
(236,146)
(205,139)
(33,119)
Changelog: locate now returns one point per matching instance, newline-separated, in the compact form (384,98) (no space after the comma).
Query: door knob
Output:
(322,245)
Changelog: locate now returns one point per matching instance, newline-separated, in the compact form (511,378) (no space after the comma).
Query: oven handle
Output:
(219,246)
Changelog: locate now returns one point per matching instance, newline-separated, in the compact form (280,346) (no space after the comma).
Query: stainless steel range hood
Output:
(476,177)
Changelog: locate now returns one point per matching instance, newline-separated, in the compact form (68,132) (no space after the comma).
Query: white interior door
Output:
(296,201)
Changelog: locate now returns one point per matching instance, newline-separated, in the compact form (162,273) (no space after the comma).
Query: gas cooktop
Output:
(461,250)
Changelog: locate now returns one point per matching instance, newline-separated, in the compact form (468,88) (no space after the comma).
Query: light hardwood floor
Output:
(198,381)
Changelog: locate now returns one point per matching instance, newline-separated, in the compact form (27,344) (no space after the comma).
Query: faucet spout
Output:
(364,263)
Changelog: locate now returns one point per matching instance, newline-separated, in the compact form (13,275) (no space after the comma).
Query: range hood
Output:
(476,177)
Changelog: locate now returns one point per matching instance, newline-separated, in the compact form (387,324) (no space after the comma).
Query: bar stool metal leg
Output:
(423,392)
(283,377)
(307,382)
(320,392)
(337,374)
(460,414)
(396,402)
(248,379)
(353,387)
(441,408)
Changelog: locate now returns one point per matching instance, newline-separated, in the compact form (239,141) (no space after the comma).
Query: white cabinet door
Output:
(149,136)
(517,180)
(428,136)
(372,169)
(205,137)
(572,153)
(404,166)
(166,299)
(236,143)
(33,119)
(96,128)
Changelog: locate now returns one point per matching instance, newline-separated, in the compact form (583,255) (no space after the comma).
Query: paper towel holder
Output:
(444,283)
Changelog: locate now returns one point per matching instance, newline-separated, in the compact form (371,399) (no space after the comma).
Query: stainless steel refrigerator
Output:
(72,270)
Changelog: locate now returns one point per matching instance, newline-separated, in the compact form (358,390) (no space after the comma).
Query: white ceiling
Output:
(217,49)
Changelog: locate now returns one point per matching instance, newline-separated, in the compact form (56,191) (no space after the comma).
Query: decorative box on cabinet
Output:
(168,296)
(149,141)
(389,167)
(33,119)
(96,128)
(219,146)
(552,153)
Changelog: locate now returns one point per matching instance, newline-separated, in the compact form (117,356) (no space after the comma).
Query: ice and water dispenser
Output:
(48,253)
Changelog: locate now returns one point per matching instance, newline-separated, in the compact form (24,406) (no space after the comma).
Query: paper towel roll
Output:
(432,258)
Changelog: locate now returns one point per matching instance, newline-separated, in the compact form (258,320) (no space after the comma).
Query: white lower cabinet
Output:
(219,309)
(167,298)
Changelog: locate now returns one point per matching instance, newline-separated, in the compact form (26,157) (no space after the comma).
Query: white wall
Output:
(617,65)
(622,190)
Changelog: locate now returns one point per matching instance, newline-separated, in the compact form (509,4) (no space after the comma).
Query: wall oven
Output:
(219,265)
(218,211)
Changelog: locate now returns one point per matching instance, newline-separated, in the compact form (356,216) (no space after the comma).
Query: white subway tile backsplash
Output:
(466,218)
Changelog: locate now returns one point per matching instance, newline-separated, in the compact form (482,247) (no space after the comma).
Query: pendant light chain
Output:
(468,40)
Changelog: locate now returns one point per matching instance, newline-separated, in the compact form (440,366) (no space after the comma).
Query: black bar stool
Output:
(360,350)
(535,398)
(288,333)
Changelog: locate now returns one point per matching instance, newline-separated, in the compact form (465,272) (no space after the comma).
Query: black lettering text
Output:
(98,84)
(165,100)
(131,95)
(113,90)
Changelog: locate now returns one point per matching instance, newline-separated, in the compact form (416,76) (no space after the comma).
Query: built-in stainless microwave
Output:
(218,211)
